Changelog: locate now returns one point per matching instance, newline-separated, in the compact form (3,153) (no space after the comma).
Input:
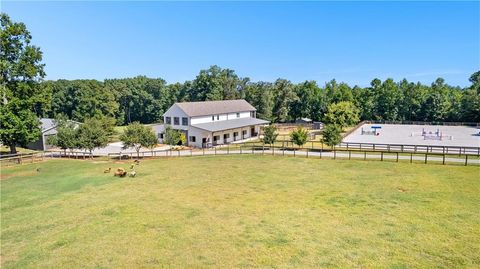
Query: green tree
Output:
(260,95)
(173,137)
(284,96)
(342,114)
(388,98)
(270,134)
(299,136)
(216,83)
(304,106)
(338,92)
(137,136)
(20,71)
(66,137)
(92,134)
(331,135)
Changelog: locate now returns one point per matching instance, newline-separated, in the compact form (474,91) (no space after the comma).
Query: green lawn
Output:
(240,212)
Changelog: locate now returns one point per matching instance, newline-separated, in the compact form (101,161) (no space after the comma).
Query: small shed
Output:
(48,127)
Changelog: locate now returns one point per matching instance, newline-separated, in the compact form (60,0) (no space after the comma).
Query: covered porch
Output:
(226,132)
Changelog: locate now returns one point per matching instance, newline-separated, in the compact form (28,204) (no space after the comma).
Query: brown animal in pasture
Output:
(120,173)
(107,170)
(133,174)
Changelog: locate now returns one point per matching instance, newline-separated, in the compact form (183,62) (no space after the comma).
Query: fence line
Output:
(452,123)
(426,157)
(338,152)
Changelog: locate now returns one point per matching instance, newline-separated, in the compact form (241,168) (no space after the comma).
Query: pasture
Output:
(240,211)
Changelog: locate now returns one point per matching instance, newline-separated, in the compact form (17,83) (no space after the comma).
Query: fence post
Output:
(273,150)
(178,153)
(263,148)
(240,149)
(466,159)
(334,154)
(203,149)
(426,154)
(349,154)
(307,151)
(215,150)
(191,152)
(228,149)
(397,157)
(411,157)
(444,158)
(381,154)
(364,155)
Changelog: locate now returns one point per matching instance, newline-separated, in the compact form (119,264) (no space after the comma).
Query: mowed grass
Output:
(240,212)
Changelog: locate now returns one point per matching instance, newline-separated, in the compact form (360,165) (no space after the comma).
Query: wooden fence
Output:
(364,151)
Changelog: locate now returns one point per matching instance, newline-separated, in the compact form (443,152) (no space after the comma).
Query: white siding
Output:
(201,119)
(229,116)
(175,111)
(158,129)
(199,134)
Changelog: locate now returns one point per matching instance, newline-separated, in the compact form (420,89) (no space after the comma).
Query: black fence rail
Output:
(472,124)
(385,152)
(449,150)
(412,148)
(335,153)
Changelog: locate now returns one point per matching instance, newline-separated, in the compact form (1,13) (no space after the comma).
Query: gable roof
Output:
(214,107)
(47,124)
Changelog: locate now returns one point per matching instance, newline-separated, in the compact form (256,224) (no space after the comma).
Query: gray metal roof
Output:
(215,107)
(229,124)
(47,124)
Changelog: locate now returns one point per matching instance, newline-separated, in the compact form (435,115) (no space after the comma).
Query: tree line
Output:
(145,99)
(25,96)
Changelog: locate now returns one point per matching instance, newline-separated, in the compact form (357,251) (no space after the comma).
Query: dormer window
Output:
(238,115)
(213,118)
(218,117)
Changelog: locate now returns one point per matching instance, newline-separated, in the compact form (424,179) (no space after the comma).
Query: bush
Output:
(174,137)
(299,136)
(331,135)
(270,134)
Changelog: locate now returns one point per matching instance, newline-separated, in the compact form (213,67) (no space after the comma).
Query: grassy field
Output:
(240,212)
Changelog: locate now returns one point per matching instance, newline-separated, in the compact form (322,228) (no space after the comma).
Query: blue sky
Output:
(350,41)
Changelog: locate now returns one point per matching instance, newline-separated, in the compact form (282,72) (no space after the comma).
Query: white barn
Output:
(212,123)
